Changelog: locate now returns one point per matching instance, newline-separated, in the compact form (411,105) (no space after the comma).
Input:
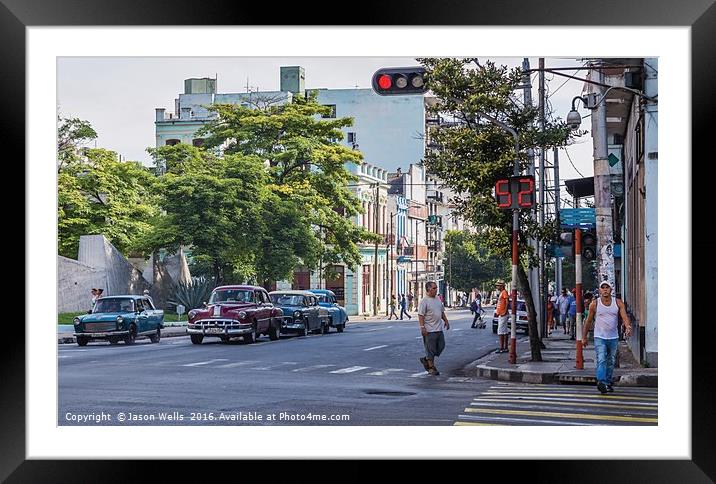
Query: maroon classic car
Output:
(235,311)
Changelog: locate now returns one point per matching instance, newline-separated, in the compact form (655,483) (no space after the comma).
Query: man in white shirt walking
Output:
(432,319)
(605,312)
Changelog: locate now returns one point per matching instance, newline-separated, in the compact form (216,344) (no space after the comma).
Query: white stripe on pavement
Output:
(350,369)
(375,347)
(386,371)
(238,363)
(201,363)
(271,367)
(313,367)
(420,374)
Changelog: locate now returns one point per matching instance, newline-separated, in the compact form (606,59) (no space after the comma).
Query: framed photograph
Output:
(59,56)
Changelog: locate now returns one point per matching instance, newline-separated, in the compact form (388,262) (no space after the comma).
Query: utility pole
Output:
(602,189)
(533,274)
(390,242)
(542,187)
(558,260)
(375,257)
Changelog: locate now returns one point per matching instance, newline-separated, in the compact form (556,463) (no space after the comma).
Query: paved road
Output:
(367,375)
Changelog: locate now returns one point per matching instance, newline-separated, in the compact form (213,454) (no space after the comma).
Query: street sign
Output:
(180,309)
(577,218)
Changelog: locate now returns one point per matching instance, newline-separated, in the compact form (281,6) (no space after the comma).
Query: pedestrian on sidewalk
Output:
(432,320)
(563,307)
(502,317)
(573,316)
(95,295)
(477,321)
(605,312)
(392,307)
(403,304)
(410,300)
(550,314)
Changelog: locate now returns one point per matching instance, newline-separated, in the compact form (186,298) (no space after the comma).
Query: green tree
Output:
(72,133)
(308,202)
(214,205)
(473,153)
(470,264)
(101,195)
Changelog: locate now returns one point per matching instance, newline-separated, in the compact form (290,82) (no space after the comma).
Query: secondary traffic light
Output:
(589,245)
(393,81)
(566,244)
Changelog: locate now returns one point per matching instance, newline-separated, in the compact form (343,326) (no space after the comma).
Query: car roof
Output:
(293,292)
(239,286)
(322,291)
(123,296)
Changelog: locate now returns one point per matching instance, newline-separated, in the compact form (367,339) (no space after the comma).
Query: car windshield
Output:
(287,299)
(324,298)
(232,296)
(114,306)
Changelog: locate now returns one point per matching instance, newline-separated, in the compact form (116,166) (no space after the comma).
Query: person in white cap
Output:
(604,311)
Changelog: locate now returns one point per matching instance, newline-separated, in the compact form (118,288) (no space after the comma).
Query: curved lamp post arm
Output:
(633,91)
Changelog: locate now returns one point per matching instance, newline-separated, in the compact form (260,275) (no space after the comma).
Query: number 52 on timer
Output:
(515,192)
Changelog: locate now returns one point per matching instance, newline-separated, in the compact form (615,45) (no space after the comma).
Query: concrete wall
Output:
(74,285)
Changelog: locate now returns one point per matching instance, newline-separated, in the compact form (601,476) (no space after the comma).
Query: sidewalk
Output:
(558,365)
(64,334)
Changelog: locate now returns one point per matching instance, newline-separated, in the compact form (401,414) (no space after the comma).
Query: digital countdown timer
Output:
(515,192)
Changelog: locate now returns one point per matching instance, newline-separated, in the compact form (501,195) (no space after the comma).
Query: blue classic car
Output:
(116,318)
(327,299)
(301,312)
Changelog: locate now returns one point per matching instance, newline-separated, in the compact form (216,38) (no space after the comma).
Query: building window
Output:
(198,142)
(172,142)
(351,137)
(332,113)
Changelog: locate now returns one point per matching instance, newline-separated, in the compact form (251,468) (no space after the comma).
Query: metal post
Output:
(602,190)
(375,261)
(558,260)
(542,185)
(533,273)
(580,299)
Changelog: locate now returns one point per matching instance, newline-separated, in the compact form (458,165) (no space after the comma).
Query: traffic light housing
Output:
(589,245)
(566,244)
(395,81)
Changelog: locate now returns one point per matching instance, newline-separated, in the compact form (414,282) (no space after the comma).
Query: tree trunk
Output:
(217,273)
(535,343)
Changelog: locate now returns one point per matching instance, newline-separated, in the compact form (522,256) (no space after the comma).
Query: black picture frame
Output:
(16,15)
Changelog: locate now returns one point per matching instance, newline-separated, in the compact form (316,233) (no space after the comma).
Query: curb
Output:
(519,376)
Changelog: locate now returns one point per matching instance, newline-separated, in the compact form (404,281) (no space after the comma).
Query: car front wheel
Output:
(340,327)
(274,331)
(196,338)
(82,341)
(132,336)
(156,337)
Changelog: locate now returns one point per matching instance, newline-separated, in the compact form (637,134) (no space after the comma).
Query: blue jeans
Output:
(606,350)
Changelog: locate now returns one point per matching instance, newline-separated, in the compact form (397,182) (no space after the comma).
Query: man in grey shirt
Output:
(432,319)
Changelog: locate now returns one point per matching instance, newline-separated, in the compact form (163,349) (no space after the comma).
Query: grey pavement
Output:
(559,364)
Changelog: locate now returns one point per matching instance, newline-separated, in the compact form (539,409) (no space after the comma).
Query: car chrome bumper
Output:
(219,328)
(288,323)
(102,335)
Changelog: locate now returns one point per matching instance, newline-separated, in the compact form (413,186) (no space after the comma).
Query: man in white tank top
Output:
(604,311)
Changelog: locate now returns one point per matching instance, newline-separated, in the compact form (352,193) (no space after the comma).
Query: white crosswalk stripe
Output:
(238,363)
(202,363)
(375,347)
(386,371)
(312,367)
(350,369)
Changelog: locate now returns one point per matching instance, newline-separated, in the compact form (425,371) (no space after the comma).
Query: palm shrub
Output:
(192,294)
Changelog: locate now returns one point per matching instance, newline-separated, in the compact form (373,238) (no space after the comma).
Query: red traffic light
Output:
(392,81)
(385,81)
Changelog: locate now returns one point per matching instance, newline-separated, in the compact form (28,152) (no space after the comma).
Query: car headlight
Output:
(242,314)
(297,314)
(120,319)
(76,321)
(192,313)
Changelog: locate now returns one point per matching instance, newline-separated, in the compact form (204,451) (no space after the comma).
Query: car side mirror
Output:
(204,304)
(89,312)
